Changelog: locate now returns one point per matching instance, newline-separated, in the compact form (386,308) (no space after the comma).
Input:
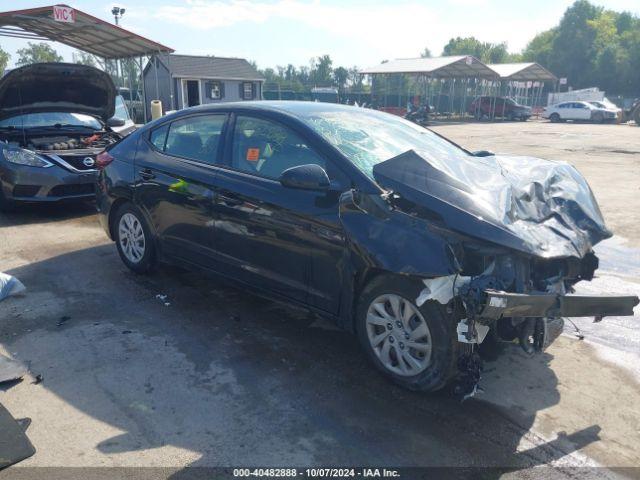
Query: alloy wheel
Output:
(399,335)
(131,237)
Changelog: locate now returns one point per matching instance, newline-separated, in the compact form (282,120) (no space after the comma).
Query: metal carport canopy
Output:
(437,67)
(523,72)
(87,33)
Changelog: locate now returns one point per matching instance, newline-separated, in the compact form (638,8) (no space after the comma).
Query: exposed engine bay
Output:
(74,152)
(54,143)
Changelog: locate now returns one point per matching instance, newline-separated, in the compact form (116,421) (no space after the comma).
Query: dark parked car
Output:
(488,107)
(417,245)
(54,120)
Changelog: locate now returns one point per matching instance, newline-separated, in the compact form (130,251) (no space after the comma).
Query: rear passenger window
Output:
(158,136)
(195,138)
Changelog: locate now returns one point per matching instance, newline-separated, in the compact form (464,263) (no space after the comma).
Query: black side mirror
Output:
(305,177)
(115,122)
(482,153)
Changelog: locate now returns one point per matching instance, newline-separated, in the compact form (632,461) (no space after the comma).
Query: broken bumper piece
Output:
(504,304)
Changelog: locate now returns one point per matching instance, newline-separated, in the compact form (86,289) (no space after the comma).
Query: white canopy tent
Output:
(447,82)
(523,81)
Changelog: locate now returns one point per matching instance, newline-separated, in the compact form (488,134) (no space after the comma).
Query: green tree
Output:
(426,53)
(37,53)
(84,58)
(484,51)
(356,81)
(340,77)
(322,70)
(4,60)
(540,49)
(592,46)
(573,46)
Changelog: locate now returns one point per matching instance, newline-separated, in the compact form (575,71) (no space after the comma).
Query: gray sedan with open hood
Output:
(55,118)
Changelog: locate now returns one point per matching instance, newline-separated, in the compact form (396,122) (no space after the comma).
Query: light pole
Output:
(117,14)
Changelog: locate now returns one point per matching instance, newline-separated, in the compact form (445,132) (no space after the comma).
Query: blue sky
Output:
(360,33)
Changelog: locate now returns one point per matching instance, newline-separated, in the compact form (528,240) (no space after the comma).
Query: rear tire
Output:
(421,354)
(134,239)
(554,117)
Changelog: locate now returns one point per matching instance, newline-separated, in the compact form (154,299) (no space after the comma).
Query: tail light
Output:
(103,159)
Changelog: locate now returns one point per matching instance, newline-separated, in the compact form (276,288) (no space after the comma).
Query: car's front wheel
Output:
(133,239)
(554,117)
(414,346)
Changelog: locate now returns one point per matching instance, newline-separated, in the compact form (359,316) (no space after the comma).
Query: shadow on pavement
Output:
(35,213)
(235,379)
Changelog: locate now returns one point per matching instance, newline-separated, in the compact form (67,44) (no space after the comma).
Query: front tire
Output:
(554,117)
(416,347)
(134,240)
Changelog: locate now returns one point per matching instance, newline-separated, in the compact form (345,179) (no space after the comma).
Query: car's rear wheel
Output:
(133,239)
(414,346)
(554,117)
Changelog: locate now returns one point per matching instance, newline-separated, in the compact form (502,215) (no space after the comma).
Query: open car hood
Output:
(535,206)
(57,87)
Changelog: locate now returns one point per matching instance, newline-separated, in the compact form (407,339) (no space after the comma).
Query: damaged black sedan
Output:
(421,248)
(55,118)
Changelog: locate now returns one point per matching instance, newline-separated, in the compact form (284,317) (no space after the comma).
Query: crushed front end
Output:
(521,233)
(523,298)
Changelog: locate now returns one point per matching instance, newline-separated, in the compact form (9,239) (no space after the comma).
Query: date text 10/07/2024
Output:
(317,472)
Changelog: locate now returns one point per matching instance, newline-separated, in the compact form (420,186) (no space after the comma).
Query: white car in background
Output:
(607,105)
(579,111)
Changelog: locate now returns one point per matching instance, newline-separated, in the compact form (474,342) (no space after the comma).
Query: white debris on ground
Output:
(10,286)
(616,339)
(163,299)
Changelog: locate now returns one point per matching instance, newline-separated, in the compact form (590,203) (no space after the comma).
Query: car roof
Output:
(293,107)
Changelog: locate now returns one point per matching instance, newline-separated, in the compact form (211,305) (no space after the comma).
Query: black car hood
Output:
(57,87)
(535,206)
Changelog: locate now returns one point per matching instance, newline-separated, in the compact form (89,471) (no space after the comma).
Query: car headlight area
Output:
(28,176)
(21,156)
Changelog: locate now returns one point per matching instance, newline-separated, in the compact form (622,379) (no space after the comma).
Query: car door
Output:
(270,236)
(175,168)
(577,111)
(583,111)
(565,110)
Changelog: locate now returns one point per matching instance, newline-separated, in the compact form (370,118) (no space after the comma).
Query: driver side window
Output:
(266,148)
